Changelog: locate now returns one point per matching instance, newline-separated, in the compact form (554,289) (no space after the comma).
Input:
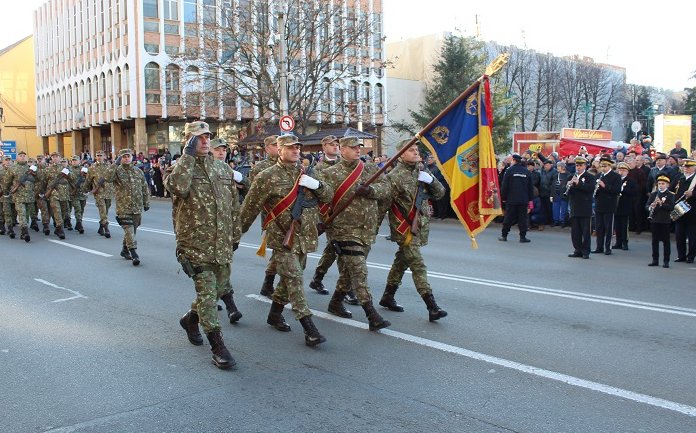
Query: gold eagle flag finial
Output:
(497,64)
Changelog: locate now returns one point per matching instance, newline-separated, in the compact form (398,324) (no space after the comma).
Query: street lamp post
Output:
(587,107)
(283,61)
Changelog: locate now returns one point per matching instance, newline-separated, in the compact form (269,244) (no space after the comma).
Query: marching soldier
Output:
(660,204)
(580,189)
(206,234)
(628,194)
(329,146)
(276,189)
(102,191)
(79,198)
(685,226)
(5,198)
(410,227)
(132,198)
(58,193)
(607,189)
(39,192)
(20,185)
(353,231)
(271,147)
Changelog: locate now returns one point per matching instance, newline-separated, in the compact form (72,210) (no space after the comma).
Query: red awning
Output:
(569,146)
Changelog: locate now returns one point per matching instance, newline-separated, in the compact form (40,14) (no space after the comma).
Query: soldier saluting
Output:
(274,191)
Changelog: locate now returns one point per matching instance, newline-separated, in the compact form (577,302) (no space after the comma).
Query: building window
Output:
(209,9)
(152,83)
(171,29)
(379,99)
(190,11)
(171,78)
(151,26)
(152,48)
(192,84)
(150,9)
(172,50)
(171,10)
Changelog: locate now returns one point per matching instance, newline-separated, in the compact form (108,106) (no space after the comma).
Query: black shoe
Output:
(190,324)
(59,232)
(10,232)
(276,319)
(624,247)
(221,356)
(351,299)
(336,306)
(597,251)
(615,247)
(585,256)
(46,230)
(134,256)
(653,263)
(607,253)
(126,255)
(232,312)
(24,234)
(502,238)
(574,255)
(665,265)
(79,228)
(524,240)
(34,225)
(434,312)
(388,300)
(312,335)
(317,285)
(267,286)
(689,260)
(376,322)
(107,233)
(680,259)
(100,231)
(2,229)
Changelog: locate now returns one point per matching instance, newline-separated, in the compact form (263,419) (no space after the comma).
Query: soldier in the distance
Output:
(102,191)
(20,185)
(58,193)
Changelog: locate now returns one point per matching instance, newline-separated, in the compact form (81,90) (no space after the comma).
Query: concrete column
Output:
(94,139)
(117,137)
(140,136)
(76,142)
(44,145)
(60,145)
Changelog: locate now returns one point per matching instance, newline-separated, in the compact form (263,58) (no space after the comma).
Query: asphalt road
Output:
(534,342)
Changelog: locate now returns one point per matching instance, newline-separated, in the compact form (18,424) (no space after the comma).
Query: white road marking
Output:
(87,250)
(77,294)
(501,362)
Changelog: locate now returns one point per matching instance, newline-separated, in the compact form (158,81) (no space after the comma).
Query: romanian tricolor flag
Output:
(461,142)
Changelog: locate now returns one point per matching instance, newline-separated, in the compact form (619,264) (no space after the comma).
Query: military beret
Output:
(580,160)
(689,162)
(664,178)
(218,142)
(516,157)
(197,128)
(270,140)
(350,142)
(125,152)
(622,165)
(287,140)
(21,152)
(329,139)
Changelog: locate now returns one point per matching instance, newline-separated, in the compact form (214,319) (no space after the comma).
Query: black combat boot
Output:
(503,238)
(107,234)
(2,229)
(276,319)
(46,229)
(376,321)
(434,312)
(317,285)
(79,228)
(24,234)
(267,286)
(100,231)
(524,239)
(134,256)
(10,231)
(312,335)
(34,225)
(221,356)
(125,253)
(67,224)
(232,312)
(59,232)
(388,301)
(350,298)
(190,324)
(336,306)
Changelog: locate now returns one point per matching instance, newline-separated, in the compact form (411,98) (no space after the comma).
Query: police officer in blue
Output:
(517,192)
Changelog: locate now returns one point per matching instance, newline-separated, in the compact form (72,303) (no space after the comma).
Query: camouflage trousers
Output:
(290,267)
(7,212)
(328,257)
(103,205)
(24,213)
(129,224)
(59,210)
(211,283)
(42,206)
(409,257)
(352,270)
(78,206)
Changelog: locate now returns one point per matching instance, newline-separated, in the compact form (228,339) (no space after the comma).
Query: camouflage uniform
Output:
(103,191)
(132,196)
(79,197)
(352,232)
(41,202)
(58,186)
(5,201)
(23,197)
(404,183)
(267,288)
(328,256)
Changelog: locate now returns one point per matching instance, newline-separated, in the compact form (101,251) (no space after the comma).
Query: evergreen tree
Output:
(690,108)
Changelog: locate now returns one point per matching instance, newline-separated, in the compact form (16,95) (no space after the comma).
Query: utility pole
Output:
(283,62)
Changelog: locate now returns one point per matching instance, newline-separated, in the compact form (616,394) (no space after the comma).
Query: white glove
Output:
(237,176)
(425,177)
(65,171)
(33,168)
(84,169)
(309,182)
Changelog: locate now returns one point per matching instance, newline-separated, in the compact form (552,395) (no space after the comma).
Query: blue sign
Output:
(9,148)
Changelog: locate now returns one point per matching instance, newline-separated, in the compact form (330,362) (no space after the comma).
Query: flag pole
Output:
(492,68)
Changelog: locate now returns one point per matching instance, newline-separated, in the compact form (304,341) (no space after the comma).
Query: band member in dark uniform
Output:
(607,188)
(685,226)
(660,204)
(580,189)
(624,209)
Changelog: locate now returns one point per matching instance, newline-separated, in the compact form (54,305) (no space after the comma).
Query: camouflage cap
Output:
(287,140)
(62,160)
(75,158)
(329,139)
(403,143)
(55,154)
(40,156)
(350,142)
(124,152)
(7,158)
(270,140)
(197,128)
(218,142)
(100,153)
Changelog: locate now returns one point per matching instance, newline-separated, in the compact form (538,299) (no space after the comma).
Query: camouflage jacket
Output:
(132,193)
(96,172)
(404,184)
(206,207)
(57,183)
(358,222)
(41,181)
(77,184)
(19,175)
(4,194)
(269,188)
(262,165)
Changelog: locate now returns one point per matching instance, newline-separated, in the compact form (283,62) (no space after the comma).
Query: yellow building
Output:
(18,97)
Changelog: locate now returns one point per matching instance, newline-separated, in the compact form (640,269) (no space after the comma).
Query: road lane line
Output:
(77,295)
(87,250)
(501,362)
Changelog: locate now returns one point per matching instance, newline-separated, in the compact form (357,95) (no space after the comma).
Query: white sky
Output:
(653,41)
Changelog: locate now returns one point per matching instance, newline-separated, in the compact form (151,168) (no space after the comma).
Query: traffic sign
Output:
(286,123)
(635,126)
(9,148)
